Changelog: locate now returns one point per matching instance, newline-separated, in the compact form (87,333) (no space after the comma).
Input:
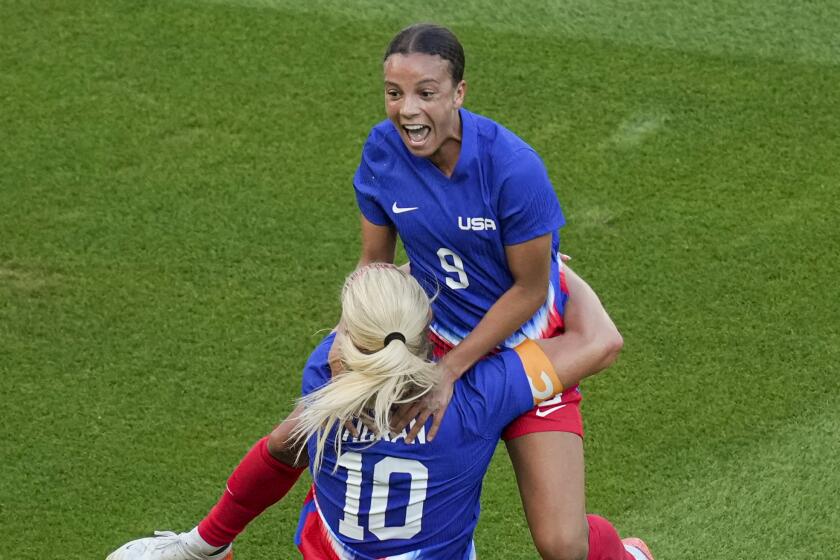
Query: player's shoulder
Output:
(503,154)
(316,372)
(525,359)
(496,139)
(493,362)
(486,371)
(383,136)
(382,152)
(491,394)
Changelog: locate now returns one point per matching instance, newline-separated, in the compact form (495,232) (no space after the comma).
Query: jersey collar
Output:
(468,153)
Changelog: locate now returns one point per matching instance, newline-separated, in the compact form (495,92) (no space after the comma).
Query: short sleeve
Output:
(528,205)
(316,372)
(494,393)
(366,184)
(501,388)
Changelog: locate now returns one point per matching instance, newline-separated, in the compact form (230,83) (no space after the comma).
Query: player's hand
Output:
(434,403)
(367,420)
(565,258)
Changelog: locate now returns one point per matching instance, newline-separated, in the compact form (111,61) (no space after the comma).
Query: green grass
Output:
(176,216)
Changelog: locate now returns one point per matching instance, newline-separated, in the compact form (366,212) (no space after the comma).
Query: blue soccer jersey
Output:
(455,229)
(386,499)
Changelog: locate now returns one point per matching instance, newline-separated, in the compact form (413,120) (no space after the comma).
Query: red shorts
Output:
(560,414)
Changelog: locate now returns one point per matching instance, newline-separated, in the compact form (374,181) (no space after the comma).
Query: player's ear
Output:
(460,94)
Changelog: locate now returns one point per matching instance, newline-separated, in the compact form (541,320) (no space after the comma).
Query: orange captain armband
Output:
(541,375)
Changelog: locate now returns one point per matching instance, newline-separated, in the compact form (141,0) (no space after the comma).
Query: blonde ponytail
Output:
(378,302)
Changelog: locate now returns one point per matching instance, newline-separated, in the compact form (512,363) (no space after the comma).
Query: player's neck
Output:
(446,156)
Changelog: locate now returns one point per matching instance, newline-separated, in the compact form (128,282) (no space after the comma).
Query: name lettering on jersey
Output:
(542,378)
(476,224)
(366,436)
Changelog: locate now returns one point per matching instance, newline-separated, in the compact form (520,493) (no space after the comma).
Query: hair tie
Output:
(394,336)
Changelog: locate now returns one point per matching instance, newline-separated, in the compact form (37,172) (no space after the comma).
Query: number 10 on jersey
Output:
(349,525)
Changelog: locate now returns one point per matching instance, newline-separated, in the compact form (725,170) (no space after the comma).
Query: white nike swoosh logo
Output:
(397,210)
(542,413)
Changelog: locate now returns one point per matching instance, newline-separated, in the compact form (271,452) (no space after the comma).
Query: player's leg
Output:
(312,536)
(549,470)
(266,473)
(550,474)
(283,448)
(546,448)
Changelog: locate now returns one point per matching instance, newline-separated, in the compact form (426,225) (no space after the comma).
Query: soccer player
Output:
(390,497)
(381,496)
(478,217)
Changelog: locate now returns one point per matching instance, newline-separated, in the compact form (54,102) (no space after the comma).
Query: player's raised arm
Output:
(591,342)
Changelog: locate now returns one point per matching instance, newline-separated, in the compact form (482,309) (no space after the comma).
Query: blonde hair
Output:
(376,301)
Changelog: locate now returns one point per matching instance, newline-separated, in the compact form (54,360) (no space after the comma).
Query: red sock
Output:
(259,481)
(604,542)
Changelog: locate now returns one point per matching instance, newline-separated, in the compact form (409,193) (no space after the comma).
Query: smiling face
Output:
(423,102)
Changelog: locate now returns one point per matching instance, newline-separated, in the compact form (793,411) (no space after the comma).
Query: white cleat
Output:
(166,545)
(637,548)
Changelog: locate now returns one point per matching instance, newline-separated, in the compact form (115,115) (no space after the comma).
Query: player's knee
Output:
(282,448)
(562,544)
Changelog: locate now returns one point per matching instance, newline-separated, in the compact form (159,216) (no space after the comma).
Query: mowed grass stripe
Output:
(803,32)
(775,497)
(154,331)
(177,219)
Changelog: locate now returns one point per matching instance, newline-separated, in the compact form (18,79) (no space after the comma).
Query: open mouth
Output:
(417,133)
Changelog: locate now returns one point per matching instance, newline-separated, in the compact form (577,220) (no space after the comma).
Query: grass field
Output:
(176,216)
